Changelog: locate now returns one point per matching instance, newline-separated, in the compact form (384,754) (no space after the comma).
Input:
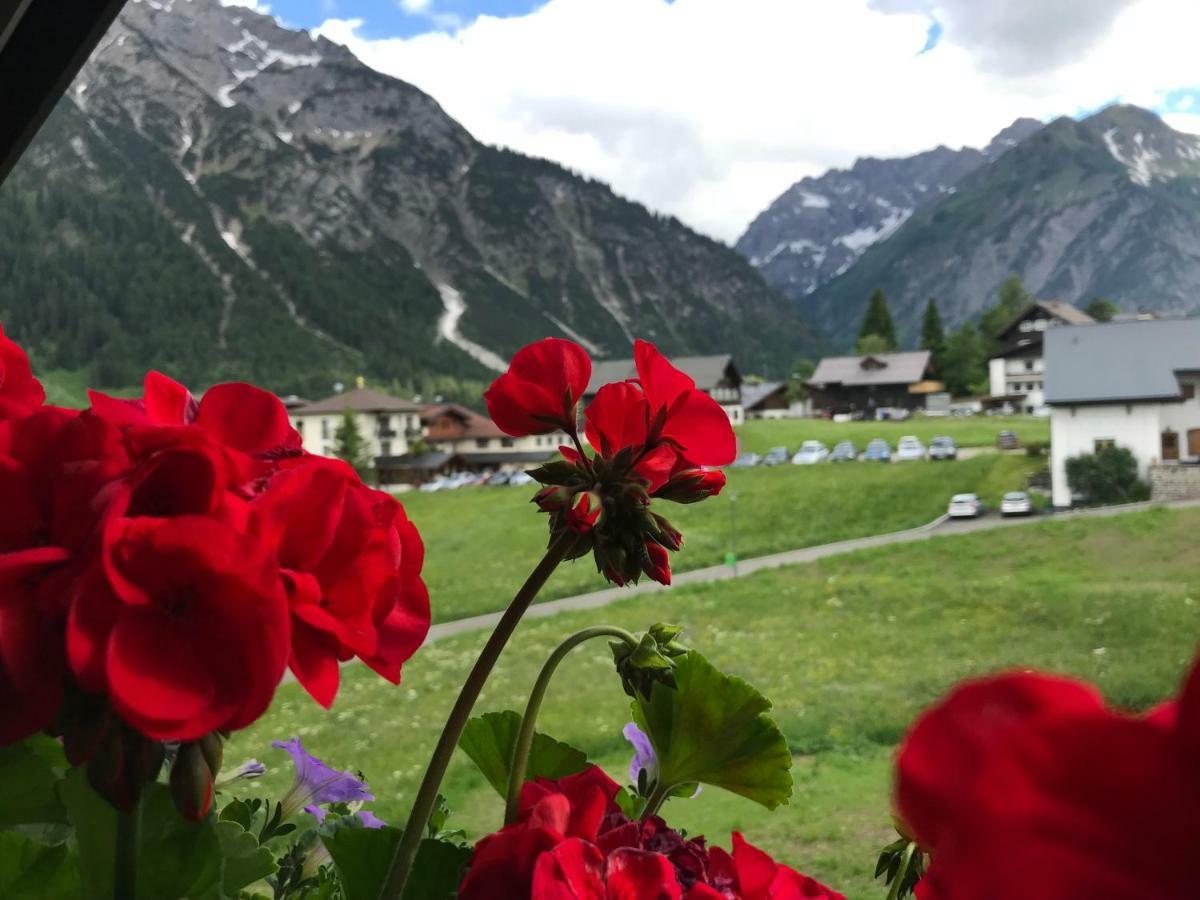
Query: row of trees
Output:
(961,356)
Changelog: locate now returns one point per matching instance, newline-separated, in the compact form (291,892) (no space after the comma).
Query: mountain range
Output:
(221,197)
(1108,205)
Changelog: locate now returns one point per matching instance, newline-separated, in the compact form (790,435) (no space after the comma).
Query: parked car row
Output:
(469,479)
(878,450)
(969,506)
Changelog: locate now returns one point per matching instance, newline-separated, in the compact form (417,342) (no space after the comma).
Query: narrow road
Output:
(939,527)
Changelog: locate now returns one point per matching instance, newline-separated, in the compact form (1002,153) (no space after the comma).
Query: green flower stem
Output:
(655,801)
(905,861)
(520,760)
(125,860)
(418,818)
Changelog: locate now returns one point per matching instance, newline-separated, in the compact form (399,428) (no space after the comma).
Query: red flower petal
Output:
(574,870)
(246,418)
(167,401)
(698,425)
(662,382)
(617,418)
(154,674)
(539,391)
(641,875)
(314,662)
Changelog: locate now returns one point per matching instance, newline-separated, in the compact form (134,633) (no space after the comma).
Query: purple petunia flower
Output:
(643,753)
(317,783)
(644,756)
(251,768)
(369,819)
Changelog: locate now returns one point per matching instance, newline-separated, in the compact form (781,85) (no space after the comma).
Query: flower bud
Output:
(191,782)
(692,485)
(666,534)
(586,512)
(637,495)
(552,498)
(213,749)
(657,563)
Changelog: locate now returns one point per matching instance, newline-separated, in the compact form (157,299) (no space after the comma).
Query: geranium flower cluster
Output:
(1028,785)
(652,437)
(572,840)
(164,560)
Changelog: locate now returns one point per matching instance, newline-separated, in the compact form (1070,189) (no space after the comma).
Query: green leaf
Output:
(489,741)
(238,812)
(362,857)
(31,870)
(712,728)
(177,858)
(245,862)
(29,773)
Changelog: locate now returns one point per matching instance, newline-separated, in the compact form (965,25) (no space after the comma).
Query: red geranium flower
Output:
(20,392)
(351,565)
(1028,786)
(572,841)
(184,626)
(539,391)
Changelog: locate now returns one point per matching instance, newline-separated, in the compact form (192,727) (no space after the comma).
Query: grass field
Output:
(761,435)
(482,541)
(850,649)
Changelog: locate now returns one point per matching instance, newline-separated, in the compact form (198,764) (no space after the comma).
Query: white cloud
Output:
(708,110)
(256,5)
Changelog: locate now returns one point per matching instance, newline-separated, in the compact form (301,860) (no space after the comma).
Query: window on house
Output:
(1103,444)
(324,429)
(299,424)
(385,448)
(1187,391)
(506,442)
(1029,365)
(481,443)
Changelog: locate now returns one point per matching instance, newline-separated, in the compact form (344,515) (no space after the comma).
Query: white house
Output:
(450,428)
(717,376)
(1016,374)
(1129,384)
(388,424)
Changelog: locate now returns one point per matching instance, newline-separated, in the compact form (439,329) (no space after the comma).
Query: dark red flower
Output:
(20,392)
(692,485)
(541,388)
(751,874)
(351,564)
(31,658)
(1028,786)
(184,625)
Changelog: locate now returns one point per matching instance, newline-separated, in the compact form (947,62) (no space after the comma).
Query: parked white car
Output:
(909,448)
(1016,503)
(440,483)
(810,452)
(520,479)
(965,506)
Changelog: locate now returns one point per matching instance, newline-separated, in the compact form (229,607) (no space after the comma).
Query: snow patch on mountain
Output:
(862,238)
(455,308)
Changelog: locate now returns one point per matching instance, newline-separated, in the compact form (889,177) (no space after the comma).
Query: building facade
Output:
(863,384)
(1126,384)
(388,425)
(1017,373)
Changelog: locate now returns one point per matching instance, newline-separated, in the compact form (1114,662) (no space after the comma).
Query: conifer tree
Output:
(350,445)
(878,321)
(933,334)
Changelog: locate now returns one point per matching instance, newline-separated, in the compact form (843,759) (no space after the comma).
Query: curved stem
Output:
(125,859)
(520,760)
(654,803)
(905,861)
(418,818)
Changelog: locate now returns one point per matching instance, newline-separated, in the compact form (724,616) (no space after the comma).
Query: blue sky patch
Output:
(398,18)
(932,36)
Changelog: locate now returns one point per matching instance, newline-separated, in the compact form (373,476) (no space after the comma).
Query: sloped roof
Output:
(475,425)
(1056,309)
(359,400)
(874,368)
(753,394)
(706,371)
(1120,362)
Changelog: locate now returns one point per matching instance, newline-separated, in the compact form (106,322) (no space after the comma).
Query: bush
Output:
(1037,448)
(1107,476)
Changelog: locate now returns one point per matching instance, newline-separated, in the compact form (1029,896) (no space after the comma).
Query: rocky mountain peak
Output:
(821,225)
(1144,144)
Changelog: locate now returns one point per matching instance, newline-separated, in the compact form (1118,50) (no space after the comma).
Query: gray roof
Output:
(359,400)
(1120,362)
(753,394)
(706,371)
(874,368)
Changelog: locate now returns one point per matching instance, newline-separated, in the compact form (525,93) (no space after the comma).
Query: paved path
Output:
(937,528)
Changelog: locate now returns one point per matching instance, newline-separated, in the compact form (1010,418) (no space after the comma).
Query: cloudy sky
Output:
(708,109)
